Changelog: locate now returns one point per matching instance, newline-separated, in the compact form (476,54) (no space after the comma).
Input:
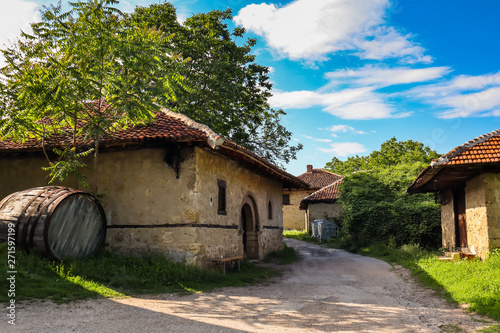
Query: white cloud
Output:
(357,103)
(389,43)
(380,76)
(344,148)
(311,30)
(462,96)
(16,15)
(354,93)
(316,139)
(343,129)
(340,128)
(483,103)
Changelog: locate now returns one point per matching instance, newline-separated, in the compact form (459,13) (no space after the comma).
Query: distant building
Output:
(323,204)
(293,217)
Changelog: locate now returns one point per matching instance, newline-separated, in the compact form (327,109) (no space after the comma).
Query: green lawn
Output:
(110,275)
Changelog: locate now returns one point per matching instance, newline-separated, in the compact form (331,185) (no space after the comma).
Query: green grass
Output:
(283,257)
(305,236)
(491,329)
(110,275)
(474,282)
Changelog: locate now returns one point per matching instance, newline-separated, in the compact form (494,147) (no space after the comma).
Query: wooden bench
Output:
(230,260)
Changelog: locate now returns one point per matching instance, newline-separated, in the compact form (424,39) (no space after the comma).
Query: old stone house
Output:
(173,187)
(468,181)
(316,179)
(323,204)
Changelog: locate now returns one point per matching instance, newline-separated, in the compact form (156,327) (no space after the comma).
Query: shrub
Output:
(377,209)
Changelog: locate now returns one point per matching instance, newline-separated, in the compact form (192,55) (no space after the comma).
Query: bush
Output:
(376,209)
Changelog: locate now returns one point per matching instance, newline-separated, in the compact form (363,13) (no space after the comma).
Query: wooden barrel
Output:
(54,220)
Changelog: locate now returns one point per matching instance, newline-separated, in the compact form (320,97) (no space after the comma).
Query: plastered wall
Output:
(293,217)
(447,219)
(476,214)
(322,210)
(492,194)
(482,201)
(143,199)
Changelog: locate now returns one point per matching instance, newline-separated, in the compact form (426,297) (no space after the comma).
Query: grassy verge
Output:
(283,257)
(110,275)
(305,236)
(475,282)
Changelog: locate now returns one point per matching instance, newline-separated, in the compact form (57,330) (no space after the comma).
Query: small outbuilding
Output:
(173,187)
(316,179)
(468,182)
(323,204)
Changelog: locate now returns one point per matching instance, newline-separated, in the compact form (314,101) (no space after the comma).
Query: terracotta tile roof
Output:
(328,193)
(319,178)
(168,126)
(474,154)
(164,128)
(483,149)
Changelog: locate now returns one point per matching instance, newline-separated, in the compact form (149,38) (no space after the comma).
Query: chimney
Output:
(309,168)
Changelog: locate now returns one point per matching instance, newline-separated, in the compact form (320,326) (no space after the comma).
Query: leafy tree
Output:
(376,207)
(392,152)
(229,91)
(84,73)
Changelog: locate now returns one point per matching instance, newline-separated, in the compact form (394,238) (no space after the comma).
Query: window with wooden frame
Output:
(286,199)
(221,208)
(270,210)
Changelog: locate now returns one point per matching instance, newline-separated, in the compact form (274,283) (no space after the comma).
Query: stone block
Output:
(196,248)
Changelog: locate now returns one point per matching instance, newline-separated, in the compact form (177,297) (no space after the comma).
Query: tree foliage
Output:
(228,90)
(376,207)
(392,152)
(93,70)
(84,73)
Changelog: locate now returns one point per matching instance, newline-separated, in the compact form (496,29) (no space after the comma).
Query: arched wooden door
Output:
(250,235)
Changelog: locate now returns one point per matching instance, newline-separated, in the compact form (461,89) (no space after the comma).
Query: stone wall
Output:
(150,210)
(322,211)
(448,219)
(492,195)
(243,186)
(476,215)
(293,217)
(482,202)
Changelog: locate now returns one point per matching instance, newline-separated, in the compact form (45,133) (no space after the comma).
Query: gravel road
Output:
(328,290)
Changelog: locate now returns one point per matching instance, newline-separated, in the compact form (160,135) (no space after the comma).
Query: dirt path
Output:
(327,291)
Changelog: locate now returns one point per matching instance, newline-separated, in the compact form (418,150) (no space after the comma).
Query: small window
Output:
(270,210)
(286,199)
(221,209)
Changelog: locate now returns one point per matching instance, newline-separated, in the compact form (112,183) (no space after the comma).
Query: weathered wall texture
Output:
(482,202)
(493,204)
(243,186)
(476,211)
(150,210)
(322,210)
(22,172)
(448,219)
(293,217)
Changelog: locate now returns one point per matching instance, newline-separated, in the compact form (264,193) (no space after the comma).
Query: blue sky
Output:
(351,74)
